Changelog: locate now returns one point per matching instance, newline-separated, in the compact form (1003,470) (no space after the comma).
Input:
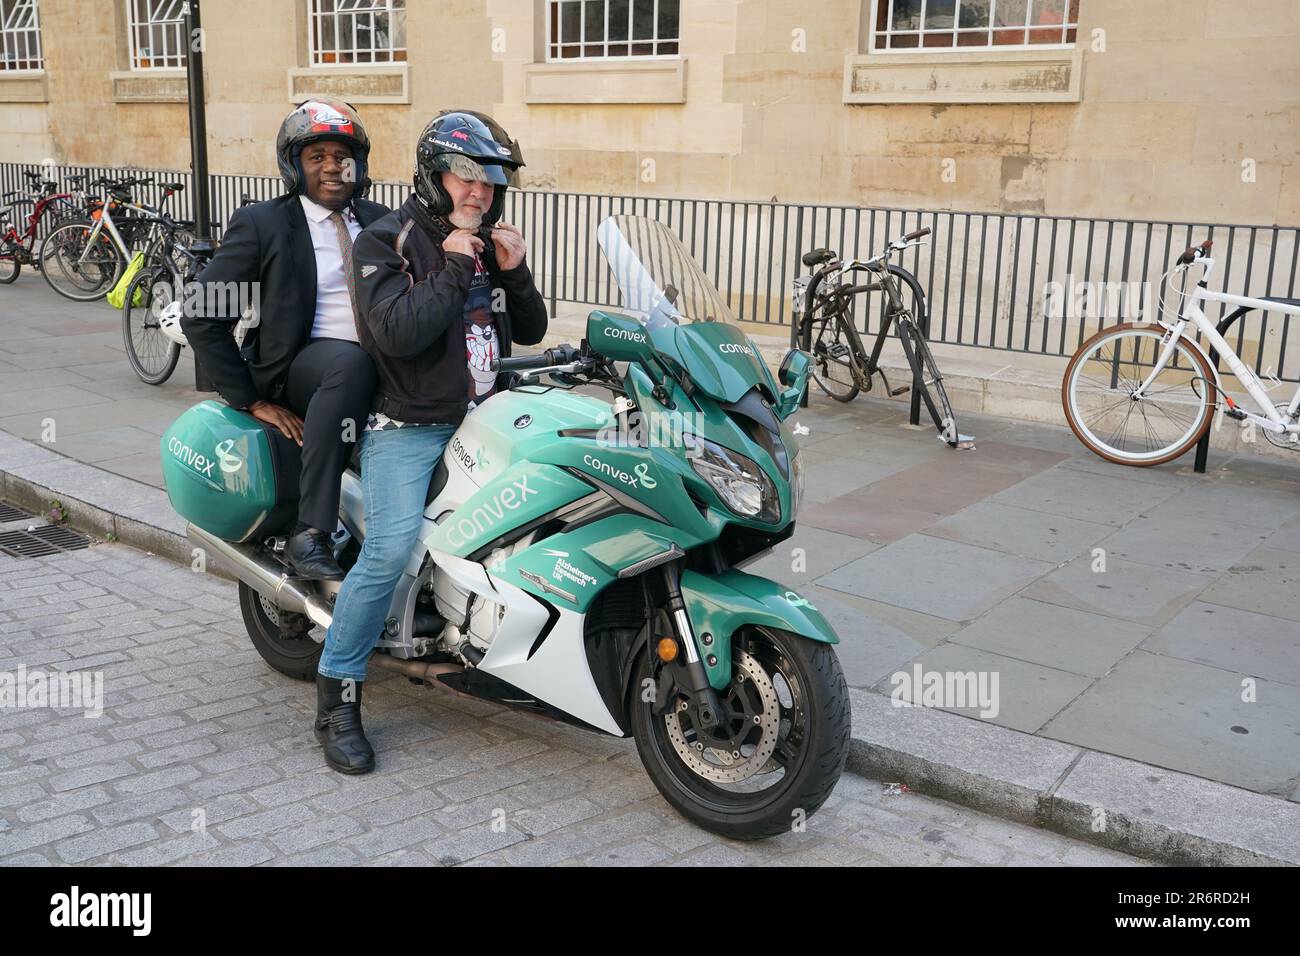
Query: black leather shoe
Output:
(338,726)
(310,554)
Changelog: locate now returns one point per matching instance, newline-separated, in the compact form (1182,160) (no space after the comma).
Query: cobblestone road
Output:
(203,755)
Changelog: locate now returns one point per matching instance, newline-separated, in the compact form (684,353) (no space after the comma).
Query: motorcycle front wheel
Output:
(777,758)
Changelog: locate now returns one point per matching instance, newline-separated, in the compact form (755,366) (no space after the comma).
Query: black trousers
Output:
(329,387)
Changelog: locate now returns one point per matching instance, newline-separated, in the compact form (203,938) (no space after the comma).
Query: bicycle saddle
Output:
(174,187)
(817,257)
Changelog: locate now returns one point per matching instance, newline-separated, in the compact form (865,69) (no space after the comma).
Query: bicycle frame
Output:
(1192,312)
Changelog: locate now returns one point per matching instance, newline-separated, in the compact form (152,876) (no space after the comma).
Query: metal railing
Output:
(1007,281)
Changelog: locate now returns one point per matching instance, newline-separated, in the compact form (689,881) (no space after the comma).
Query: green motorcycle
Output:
(580,556)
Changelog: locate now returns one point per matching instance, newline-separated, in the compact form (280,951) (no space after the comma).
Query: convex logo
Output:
(487,515)
(616,333)
(464,458)
(230,463)
(729,348)
(196,460)
(639,478)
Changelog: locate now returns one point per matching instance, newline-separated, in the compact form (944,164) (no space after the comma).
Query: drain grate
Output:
(62,538)
(41,542)
(10,513)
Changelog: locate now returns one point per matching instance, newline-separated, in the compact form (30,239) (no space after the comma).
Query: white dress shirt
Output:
(334,318)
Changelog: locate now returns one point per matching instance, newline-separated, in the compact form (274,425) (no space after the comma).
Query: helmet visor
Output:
(471,170)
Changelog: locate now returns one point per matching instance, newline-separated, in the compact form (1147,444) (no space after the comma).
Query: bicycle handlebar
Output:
(1195,252)
(919,234)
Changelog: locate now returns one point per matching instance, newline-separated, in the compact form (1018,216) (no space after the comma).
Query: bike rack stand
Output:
(914,412)
(1203,446)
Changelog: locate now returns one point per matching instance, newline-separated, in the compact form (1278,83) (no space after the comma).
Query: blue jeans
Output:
(396,466)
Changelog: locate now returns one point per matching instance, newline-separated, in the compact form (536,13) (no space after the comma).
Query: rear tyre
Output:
(784,749)
(76,268)
(834,365)
(295,654)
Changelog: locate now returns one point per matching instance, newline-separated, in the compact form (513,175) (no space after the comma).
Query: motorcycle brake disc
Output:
(752,745)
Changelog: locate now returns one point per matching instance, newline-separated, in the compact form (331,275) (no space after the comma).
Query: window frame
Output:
(33,32)
(316,17)
(984,49)
(132,50)
(605,43)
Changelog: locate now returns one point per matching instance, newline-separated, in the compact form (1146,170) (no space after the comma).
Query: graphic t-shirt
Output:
(481,347)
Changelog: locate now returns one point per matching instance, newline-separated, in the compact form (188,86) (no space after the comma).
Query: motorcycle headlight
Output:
(741,484)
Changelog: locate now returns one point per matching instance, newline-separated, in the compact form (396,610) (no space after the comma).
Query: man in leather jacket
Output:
(442,291)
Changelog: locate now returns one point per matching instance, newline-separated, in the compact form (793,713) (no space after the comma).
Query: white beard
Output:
(463,220)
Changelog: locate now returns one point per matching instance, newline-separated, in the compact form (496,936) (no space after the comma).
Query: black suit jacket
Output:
(268,243)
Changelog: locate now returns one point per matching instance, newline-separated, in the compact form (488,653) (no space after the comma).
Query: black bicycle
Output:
(842,367)
(154,297)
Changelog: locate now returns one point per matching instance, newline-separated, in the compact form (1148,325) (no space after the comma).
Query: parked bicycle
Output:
(85,258)
(842,367)
(151,307)
(30,208)
(1144,393)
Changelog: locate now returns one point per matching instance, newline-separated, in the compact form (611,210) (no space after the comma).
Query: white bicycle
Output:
(1143,393)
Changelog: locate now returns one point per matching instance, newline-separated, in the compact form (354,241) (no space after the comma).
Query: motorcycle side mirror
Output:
(793,374)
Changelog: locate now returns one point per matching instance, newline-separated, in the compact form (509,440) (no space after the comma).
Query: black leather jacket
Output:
(410,313)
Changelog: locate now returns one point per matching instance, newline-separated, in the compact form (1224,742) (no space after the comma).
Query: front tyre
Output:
(1169,416)
(775,761)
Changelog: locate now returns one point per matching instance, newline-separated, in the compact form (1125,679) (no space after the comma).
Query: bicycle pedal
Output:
(1235,413)
(901,390)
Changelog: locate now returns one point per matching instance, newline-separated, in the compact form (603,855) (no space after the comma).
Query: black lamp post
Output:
(203,244)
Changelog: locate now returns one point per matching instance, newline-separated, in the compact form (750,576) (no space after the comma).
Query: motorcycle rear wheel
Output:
(294,656)
(811,743)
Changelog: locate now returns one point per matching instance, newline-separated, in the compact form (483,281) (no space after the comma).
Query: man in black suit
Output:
(299,367)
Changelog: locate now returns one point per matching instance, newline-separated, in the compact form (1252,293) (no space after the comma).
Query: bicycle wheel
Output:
(927,378)
(9,267)
(835,366)
(77,269)
(1171,415)
(153,356)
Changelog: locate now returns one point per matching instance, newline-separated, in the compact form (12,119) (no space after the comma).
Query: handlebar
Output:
(919,234)
(1195,252)
(560,355)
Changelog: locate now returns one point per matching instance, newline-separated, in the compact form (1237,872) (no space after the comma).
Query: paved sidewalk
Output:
(204,756)
(1117,614)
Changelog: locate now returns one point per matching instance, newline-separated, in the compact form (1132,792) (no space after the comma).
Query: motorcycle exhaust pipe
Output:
(264,576)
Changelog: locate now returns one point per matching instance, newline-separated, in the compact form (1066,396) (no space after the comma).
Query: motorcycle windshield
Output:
(658,279)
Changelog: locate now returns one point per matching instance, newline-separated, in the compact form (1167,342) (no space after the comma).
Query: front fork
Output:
(687,675)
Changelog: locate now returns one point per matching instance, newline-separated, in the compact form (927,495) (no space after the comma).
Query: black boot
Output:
(310,553)
(338,725)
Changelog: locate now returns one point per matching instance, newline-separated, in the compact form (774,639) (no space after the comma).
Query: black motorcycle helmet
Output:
(317,120)
(454,136)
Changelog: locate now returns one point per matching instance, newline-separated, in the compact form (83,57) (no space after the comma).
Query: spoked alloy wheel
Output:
(776,757)
(1171,415)
(77,268)
(151,353)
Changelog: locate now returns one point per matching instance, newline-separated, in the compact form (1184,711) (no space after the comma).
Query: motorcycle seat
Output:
(437,482)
